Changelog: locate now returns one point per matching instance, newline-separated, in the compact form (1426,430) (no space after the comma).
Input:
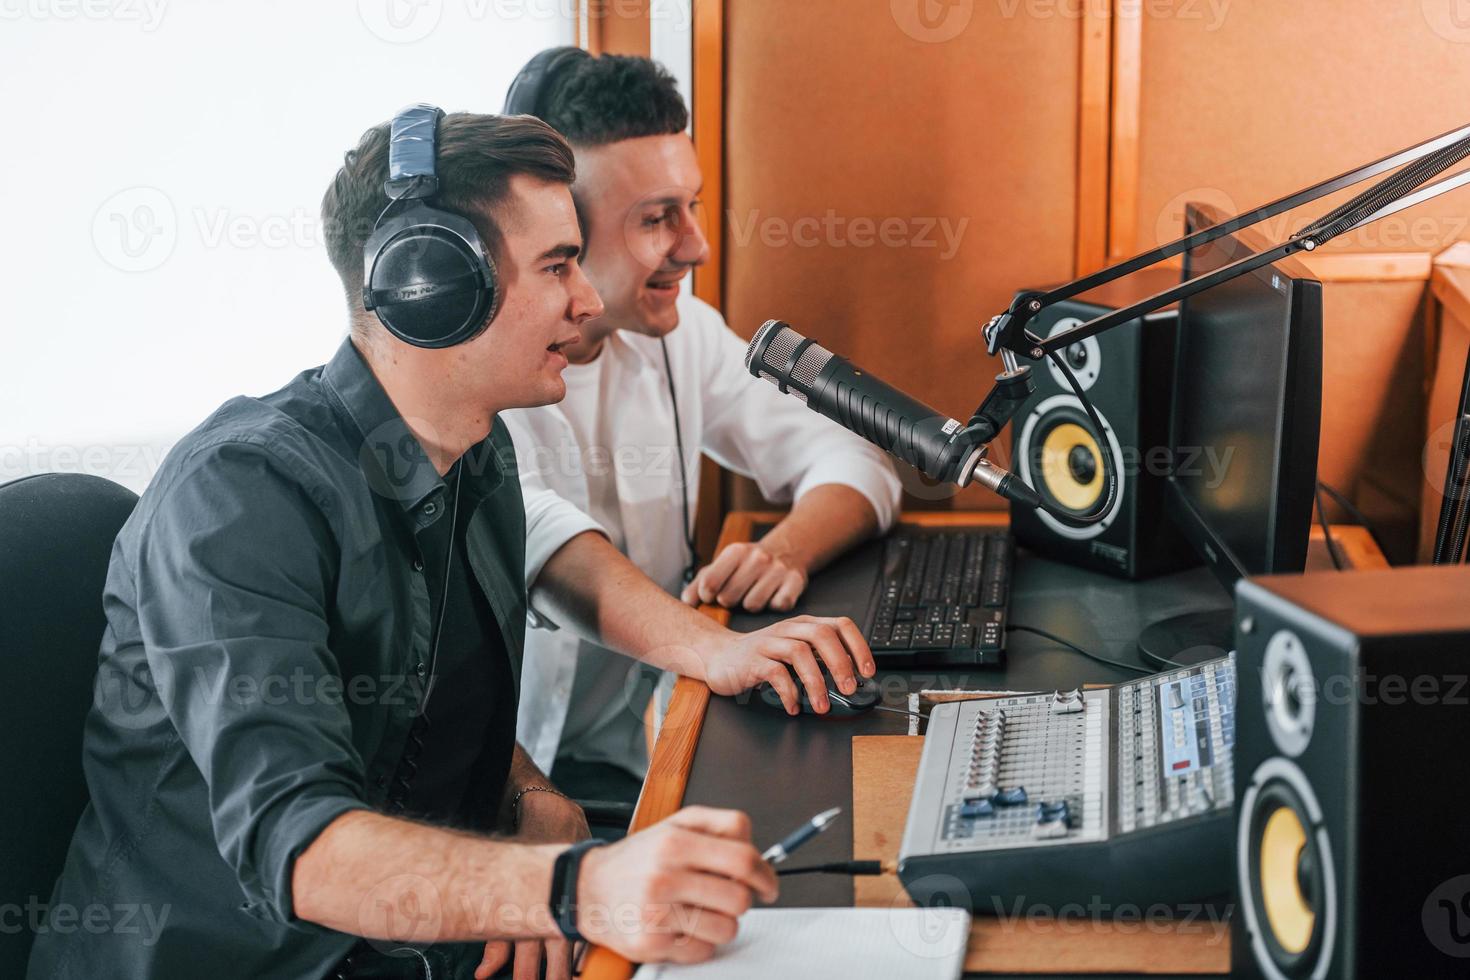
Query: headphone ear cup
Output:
(429,280)
(528,90)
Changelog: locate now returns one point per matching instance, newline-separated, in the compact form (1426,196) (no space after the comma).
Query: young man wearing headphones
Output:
(304,732)
(654,381)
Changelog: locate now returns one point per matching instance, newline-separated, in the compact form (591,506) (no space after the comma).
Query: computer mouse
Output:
(867,696)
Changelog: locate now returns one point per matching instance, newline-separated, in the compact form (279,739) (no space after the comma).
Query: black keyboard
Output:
(941,597)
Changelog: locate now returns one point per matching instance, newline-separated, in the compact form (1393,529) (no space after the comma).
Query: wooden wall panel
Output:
(1244,102)
(615,26)
(1374,363)
(962,135)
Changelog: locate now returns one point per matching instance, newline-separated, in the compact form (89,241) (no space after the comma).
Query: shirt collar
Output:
(644,351)
(391,457)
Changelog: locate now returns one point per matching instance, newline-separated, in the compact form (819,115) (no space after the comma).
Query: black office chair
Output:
(56,534)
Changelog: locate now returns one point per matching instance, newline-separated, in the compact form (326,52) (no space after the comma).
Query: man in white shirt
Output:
(653,382)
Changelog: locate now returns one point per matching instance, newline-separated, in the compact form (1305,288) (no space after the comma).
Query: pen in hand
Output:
(780,851)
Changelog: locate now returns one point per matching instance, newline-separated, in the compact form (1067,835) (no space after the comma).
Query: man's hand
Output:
(541,818)
(689,878)
(528,954)
(752,575)
(740,661)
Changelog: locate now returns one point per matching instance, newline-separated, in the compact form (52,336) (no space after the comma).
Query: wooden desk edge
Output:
(678,739)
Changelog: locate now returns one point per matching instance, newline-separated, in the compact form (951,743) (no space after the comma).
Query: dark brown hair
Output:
(477,157)
(614,97)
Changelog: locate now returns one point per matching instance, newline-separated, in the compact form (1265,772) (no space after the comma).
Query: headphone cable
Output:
(689,539)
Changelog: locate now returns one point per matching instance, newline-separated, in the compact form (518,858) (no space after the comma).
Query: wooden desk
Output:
(673,760)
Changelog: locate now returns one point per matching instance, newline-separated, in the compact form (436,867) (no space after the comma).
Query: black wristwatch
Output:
(564,887)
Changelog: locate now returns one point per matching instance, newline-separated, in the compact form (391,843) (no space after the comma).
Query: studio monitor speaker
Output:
(1126,372)
(1352,774)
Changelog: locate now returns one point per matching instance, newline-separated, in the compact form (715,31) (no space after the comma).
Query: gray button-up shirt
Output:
(266,651)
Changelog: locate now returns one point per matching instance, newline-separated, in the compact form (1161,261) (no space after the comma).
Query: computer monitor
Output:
(1245,416)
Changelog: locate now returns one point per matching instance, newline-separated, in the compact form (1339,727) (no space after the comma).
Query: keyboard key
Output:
(941,590)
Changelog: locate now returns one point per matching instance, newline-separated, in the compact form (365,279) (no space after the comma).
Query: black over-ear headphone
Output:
(426,273)
(527,94)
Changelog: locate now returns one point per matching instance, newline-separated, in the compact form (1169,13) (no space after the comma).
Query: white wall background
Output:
(162,164)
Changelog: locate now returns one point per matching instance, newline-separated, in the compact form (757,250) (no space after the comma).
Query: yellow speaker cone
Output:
(1074,487)
(1287,913)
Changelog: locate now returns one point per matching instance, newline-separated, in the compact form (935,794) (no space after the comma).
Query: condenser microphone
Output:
(919,435)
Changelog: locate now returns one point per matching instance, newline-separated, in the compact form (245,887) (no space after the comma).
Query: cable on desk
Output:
(1326,528)
(1078,650)
(1353,512)
(839,868)
(902,711)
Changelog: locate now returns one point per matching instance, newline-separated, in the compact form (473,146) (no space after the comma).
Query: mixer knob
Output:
(1067,702)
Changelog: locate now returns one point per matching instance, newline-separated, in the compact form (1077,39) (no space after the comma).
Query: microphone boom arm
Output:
(1402,190)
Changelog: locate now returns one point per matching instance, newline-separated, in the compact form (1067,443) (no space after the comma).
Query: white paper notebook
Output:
(835,944)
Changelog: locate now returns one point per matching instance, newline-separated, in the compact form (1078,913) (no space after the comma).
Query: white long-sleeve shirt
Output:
(604,459)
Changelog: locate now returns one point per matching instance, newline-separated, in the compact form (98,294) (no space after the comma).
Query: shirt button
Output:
(430,509)
(418,564)
(421,668)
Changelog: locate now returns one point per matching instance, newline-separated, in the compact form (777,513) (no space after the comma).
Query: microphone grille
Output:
(776,342)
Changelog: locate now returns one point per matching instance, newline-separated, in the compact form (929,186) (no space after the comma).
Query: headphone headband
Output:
(527,95)
(413,141)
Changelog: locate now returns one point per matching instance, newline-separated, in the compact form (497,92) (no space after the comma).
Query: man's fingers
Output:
(752,566)
(760,593)
(528,959)
(703,926)
(805,664)
(497,952)
(775,674)
(856,644)
(792,586)
(715,821)
(715,894)
(737,860)
(827,642)
(709,581)
(558,959)
(686,950)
